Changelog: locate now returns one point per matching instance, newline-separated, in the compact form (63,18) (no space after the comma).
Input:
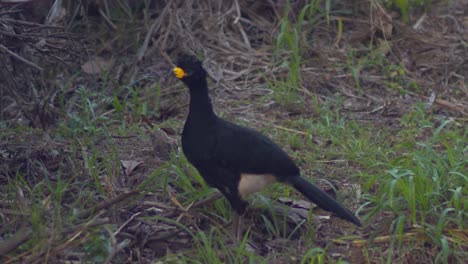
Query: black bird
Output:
(235,159)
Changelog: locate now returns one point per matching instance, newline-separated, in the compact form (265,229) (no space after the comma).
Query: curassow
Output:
(235,159)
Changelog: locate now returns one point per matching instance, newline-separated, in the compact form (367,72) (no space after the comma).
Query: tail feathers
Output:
(322,199)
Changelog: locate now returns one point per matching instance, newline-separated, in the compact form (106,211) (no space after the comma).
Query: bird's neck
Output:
(201,109)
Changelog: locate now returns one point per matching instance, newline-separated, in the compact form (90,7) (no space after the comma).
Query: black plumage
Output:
(235,159)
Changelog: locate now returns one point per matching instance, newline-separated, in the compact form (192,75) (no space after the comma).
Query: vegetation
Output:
(91,170)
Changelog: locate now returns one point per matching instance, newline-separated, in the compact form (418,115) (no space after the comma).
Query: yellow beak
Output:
(179,73)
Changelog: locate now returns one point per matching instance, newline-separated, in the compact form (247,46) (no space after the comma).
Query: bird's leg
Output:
(239,206)
(237,226)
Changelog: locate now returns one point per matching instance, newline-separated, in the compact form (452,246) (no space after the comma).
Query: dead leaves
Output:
(130,165)
(381,21)
(299,209)
(96,65)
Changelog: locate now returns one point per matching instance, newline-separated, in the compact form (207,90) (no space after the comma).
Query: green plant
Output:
(405,5)
(292,38)
(314,255)
(98,246)
(88,119)
(427,182)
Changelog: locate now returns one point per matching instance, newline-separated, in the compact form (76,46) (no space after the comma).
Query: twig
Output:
(208,200)
(419,22)
(176,211)
(76,232)
(87,212)
(330,161)
(24,234)
(13,35)
(13,212)
(382,239)
(16,240)
(239,26)
(126,223)
(454,107)
(27,23)
(291,130)
(112,25)
(156,23)
(18,57)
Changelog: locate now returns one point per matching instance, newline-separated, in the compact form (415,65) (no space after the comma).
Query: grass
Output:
(417,176)
(419,181)
(407,179)
(290,40)
(405,6)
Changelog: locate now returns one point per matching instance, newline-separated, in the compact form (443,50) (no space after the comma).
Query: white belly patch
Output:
(252,183)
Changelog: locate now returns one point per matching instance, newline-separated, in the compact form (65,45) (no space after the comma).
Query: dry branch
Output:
(87,212)
(19,58)
(24,234)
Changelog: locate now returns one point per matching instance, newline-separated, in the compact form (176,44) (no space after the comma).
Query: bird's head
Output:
(189,70)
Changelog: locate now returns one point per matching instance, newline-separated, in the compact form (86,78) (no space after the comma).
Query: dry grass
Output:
(124,187)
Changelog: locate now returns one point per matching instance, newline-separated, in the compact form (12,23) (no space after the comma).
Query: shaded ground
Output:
(101,177)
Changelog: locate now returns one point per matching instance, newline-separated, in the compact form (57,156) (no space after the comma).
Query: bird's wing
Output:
(243,149)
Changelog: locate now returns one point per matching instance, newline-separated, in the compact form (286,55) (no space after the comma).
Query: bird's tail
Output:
(322,199)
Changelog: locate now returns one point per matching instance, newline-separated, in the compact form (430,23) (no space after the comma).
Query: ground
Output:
(369,103)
